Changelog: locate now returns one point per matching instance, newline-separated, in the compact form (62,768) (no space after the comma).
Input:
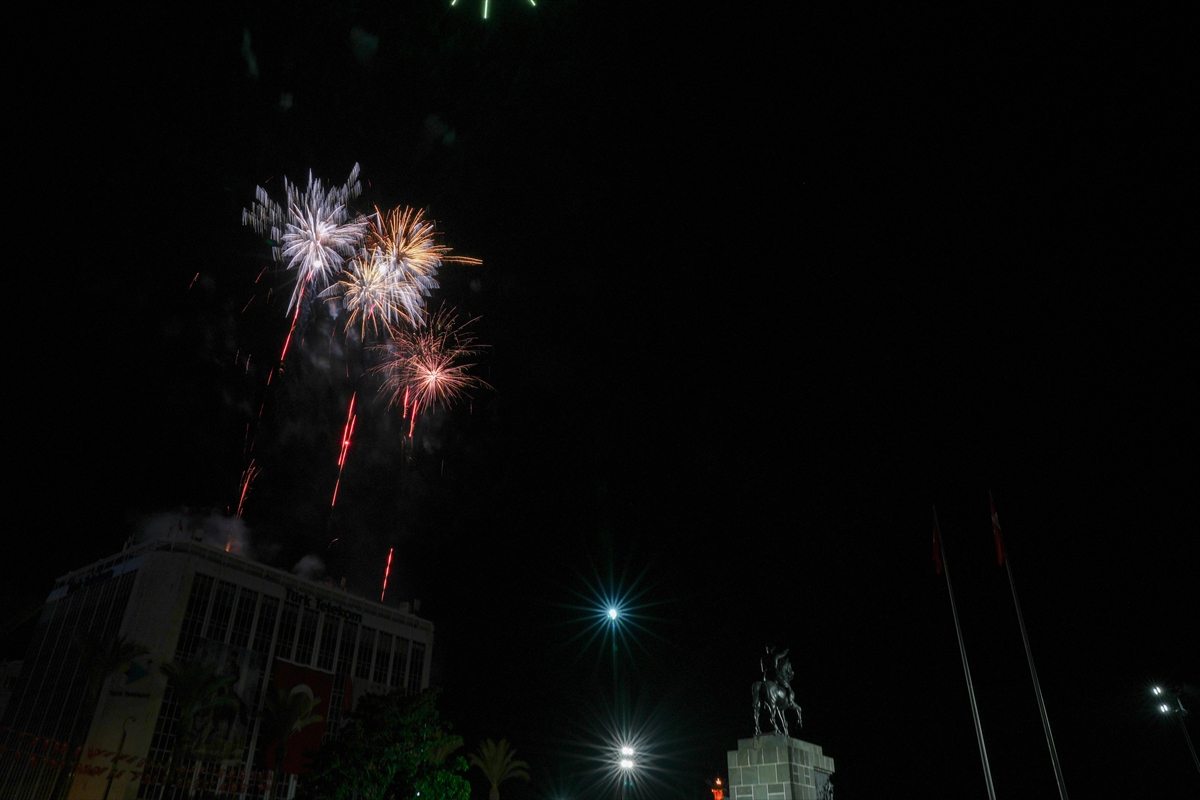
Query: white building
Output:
(189,602)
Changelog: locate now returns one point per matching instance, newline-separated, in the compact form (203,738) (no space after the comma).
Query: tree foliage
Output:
(445,782)
(497,761)
(100,656)
(389,745)
(200,691)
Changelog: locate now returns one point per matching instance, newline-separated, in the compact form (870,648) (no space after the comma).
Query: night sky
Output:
(760,287)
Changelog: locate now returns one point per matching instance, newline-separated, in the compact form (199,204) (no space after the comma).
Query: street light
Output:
(1179,712)
(626,763)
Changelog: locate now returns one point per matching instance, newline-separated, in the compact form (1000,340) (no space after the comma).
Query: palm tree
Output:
(100,656)
(200,691)
(498,764)
(284,714)
(442,750)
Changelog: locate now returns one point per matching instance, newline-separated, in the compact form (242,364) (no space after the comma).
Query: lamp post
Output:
(117,758)
(1171,703)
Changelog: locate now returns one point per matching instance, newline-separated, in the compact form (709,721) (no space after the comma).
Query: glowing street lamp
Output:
(626,763)
(1176,710)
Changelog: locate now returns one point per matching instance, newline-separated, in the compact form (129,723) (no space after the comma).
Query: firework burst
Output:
(429,365)
(374,293)
(405,245)
(314,233)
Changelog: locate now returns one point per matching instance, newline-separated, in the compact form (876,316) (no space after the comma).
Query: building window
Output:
(337,699)
(193,616)
(287,630)
(346,650)
(399,663)
(417,668)
(328,647)
(243,618)
(308,637)
(383,654)
(366,645)
(268,610)
(218,620)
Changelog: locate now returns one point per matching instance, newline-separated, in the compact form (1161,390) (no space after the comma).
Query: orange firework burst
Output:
(429,365)
(376,294)
(388,281)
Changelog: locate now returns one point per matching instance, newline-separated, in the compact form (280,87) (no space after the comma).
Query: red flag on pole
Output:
(996,531)
(937,547)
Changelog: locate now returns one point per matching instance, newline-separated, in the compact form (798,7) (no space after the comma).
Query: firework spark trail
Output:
(386,571)
(248,475)
(486,3)
(347,433)
(425,367)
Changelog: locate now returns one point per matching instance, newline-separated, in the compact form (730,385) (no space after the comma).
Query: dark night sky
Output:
(760,287)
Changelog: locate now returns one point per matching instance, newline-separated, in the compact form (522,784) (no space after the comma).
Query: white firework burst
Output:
(314,233)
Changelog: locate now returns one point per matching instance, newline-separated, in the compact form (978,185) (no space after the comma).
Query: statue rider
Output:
(774,693)
(779,665)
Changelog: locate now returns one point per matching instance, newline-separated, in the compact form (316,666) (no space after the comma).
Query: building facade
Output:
(68,733)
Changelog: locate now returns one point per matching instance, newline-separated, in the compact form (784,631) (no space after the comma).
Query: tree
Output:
(445,783)
(101,656)
(498,764)
(390,745)
(200,691)
(442,782)
(286,713)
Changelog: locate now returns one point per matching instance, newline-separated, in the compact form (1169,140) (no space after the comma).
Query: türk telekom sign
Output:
(332,609)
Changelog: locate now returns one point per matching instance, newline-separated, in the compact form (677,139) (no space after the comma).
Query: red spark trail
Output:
(347,432)
(385,573)
(248,476)
(288,341)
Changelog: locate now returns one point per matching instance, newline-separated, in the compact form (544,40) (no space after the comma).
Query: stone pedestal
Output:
(778,768)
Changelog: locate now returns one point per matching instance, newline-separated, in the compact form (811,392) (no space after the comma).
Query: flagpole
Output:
(987,770)
(1002,552)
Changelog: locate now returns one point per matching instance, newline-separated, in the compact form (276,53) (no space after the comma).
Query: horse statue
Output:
(774,694)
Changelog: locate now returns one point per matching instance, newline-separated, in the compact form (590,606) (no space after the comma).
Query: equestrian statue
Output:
(774,694)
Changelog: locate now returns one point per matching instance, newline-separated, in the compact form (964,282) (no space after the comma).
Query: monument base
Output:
(778,768)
